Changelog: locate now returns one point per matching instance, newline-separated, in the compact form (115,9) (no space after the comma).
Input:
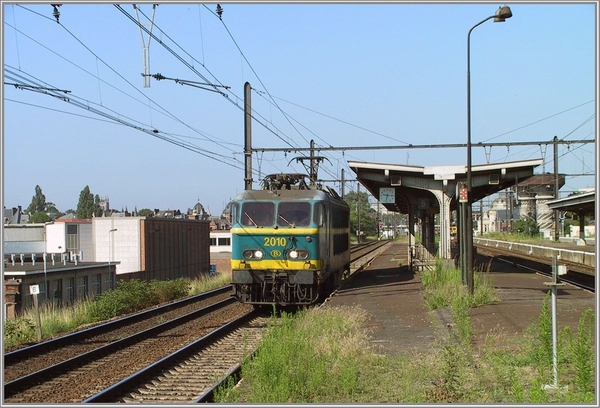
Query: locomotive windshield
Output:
(293,214)
(258,213)
(265,214)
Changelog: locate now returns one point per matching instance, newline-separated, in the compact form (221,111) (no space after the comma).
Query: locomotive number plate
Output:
(275,241)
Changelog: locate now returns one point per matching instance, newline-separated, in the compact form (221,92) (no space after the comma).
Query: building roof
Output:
(12,215)
(584,203)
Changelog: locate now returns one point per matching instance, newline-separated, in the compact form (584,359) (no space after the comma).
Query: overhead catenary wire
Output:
(139,127)
(114,116)
(193,69)
(289,118)
(162,109)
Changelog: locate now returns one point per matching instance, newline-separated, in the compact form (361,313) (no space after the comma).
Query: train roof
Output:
(289,186)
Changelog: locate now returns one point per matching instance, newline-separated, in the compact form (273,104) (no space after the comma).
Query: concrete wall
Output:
(125,242)
(589,231)
(23,239)
(56,238)
(86,242)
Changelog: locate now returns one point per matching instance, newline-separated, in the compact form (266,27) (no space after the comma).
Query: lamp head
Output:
(502,14)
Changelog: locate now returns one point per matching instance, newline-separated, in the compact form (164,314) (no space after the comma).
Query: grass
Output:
(324,356)
(129,297)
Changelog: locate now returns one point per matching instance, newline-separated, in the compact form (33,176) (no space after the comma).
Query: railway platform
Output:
(401,322)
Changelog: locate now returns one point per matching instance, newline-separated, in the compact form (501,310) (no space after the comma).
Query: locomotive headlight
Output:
(298,254)
(252,254)
(303,254)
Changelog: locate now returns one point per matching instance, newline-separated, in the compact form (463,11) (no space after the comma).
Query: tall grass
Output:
(444,288)
(323,356)
(129,297)
(312,357)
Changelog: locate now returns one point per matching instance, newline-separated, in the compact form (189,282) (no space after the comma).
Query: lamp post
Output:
(45,274)
(500,16)
(109,255)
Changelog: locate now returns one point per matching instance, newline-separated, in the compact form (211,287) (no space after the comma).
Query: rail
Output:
(585,259)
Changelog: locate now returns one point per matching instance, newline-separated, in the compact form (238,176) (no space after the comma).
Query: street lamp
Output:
(501,15)
(109,255)
(45,274)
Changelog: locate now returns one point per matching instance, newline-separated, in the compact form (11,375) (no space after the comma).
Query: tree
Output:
(88,205)
(39,217)
(527,226)
(38,202)
(145,212)
(368,216)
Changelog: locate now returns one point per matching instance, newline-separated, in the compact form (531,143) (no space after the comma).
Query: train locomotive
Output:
(290,242)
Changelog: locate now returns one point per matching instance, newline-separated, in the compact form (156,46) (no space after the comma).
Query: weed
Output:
(18,331)
(581,352)
(129,297)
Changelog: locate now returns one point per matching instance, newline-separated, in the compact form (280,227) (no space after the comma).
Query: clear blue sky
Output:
(344,75)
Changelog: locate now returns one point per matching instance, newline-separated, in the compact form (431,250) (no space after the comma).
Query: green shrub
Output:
(166,291)
(18,331)
(129,297)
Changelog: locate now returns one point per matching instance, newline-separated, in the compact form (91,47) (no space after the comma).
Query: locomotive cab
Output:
(289,246)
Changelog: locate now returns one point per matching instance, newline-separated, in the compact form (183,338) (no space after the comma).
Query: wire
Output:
(164,111)
(538,121)
(226,96)
(88,105)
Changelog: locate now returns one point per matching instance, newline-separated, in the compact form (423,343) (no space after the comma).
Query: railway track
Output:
(547,260)
(362,254)
(192,373)
(584,280)
(81,376)
(26,360)
(171,354)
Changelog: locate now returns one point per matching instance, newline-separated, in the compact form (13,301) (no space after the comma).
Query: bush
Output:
(166,291)
(18,331)
(134,295)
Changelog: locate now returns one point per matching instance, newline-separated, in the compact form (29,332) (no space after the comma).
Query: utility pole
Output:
(247,137)
(358,210)
(146,48)
(556,233)
(313,173)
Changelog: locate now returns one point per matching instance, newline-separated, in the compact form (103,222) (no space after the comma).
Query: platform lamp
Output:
(500,16)
(109,256)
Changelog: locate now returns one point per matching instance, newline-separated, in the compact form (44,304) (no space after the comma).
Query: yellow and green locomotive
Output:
(290,242)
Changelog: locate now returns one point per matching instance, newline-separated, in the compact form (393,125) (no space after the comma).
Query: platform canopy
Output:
(581,203)
(398,187)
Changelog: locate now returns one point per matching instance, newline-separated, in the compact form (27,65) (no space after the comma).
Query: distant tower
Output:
(104,204)
(198,212)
